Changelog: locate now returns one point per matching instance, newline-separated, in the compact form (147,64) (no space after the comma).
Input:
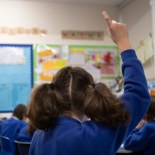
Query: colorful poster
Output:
(48,59)
(100,61)
(145,49)
(76,57)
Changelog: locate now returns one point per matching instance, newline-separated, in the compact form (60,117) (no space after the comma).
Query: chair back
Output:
(22,147)
(7,146)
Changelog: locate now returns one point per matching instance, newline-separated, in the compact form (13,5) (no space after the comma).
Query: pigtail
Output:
(43,110)
(49,101)
(102,106)
(31,129)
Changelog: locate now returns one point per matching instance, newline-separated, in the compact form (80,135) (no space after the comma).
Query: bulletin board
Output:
(145,49)
(48,59)
(16,75)
(103,62)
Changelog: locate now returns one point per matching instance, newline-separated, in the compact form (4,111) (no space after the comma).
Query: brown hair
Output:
(31,128)
(102,106)
(150,115)
(20,111)
(73,89)
(48,101)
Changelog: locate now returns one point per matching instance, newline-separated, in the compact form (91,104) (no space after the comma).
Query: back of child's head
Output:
(73,89)
(20,111)
(150,115)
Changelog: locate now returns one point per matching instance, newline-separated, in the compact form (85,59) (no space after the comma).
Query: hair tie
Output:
(52,85)
(69,68)
(93,85)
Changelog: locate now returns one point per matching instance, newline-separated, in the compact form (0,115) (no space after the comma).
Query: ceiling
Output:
(103,2)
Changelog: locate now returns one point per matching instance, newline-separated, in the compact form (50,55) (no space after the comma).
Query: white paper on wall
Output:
(11,55)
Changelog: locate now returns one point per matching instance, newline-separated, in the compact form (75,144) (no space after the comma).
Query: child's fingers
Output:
(107,18)
(109,33)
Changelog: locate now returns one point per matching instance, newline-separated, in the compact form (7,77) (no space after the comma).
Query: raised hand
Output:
(118,32)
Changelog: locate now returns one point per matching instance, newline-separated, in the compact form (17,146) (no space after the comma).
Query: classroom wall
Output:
(137,15)
(59,16)
(54,17)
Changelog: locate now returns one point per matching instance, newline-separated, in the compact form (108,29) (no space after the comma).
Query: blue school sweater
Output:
(11,127)
(142,139)
(24,136)
(72,137)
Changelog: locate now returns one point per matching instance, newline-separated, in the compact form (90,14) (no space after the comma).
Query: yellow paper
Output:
(60,64)
(48,65)
(54,64)
(46,77)
(44,53)
(98,57)
(76,50)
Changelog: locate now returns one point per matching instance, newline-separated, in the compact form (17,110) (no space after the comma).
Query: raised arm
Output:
(136,97)
(118,33)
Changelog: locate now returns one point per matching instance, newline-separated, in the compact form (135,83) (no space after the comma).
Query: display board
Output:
(16,75)
(103,62)
(145,49)
(48,59)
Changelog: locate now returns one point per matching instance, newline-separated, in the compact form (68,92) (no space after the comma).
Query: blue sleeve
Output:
(20,124)
(138,140)
(23,135)
(136,96)
(136,100)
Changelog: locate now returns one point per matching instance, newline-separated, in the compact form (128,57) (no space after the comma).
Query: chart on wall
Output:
(16,75)
(102,62)
(48,59)
(145,49)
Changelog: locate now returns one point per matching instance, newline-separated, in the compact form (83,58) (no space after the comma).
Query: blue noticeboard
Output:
(16,77)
